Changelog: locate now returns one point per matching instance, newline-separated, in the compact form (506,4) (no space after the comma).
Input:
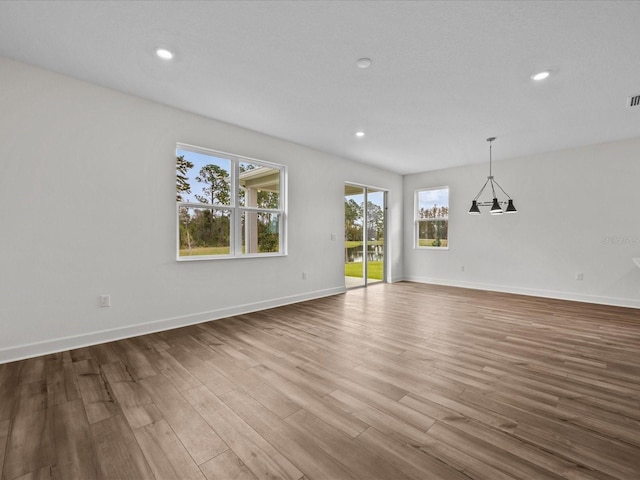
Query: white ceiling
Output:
(445,75)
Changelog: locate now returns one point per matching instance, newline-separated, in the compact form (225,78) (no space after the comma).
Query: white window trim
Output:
(417,220)
(235,234)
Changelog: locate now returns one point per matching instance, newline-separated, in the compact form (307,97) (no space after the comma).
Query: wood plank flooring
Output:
(393,382)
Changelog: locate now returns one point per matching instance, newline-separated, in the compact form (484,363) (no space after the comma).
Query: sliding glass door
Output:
(365,224)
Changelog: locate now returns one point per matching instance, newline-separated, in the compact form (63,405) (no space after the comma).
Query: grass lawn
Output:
(355,270)
(428,242)
(358,243)
(185,252)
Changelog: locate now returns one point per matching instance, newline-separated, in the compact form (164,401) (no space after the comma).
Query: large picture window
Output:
(228,206)
(432,218)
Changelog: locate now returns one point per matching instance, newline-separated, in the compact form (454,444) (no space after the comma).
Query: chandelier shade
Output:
(496,209)
(495,204)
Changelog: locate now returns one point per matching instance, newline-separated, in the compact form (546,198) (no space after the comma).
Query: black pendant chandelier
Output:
(496,206)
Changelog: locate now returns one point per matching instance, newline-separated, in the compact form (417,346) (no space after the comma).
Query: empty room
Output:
(305,240)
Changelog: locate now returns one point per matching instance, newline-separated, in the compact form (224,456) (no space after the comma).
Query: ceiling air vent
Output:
(633,101)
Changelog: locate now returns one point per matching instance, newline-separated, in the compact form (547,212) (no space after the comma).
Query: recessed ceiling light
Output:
(164,54)
(364,63)
(540,75)
(359,134)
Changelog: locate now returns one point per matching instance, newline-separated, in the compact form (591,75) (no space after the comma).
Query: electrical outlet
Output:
(579,276)
(105,300)
(334,237)
(304,275)
(462,268)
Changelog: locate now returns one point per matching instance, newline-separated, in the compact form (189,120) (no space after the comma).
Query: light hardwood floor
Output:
(400,381)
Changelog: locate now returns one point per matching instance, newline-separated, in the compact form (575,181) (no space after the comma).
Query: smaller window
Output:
(432,218)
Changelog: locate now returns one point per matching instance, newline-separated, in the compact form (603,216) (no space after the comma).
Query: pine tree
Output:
(182,181)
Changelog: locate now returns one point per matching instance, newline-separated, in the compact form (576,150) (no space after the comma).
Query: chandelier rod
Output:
(496,182)
(482,189)
(490,140)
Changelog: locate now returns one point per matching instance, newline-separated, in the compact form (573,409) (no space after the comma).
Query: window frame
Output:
(418,220)
(236,210)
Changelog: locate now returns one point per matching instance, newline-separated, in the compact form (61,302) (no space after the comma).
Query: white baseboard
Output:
(575,297)
(55,345)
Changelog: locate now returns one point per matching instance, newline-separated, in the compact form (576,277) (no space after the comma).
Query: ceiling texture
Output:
(444,75)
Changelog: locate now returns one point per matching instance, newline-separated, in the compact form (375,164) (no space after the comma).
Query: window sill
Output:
(197,258)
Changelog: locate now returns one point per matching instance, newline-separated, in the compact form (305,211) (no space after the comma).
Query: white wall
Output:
(577,213)
(87,205)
